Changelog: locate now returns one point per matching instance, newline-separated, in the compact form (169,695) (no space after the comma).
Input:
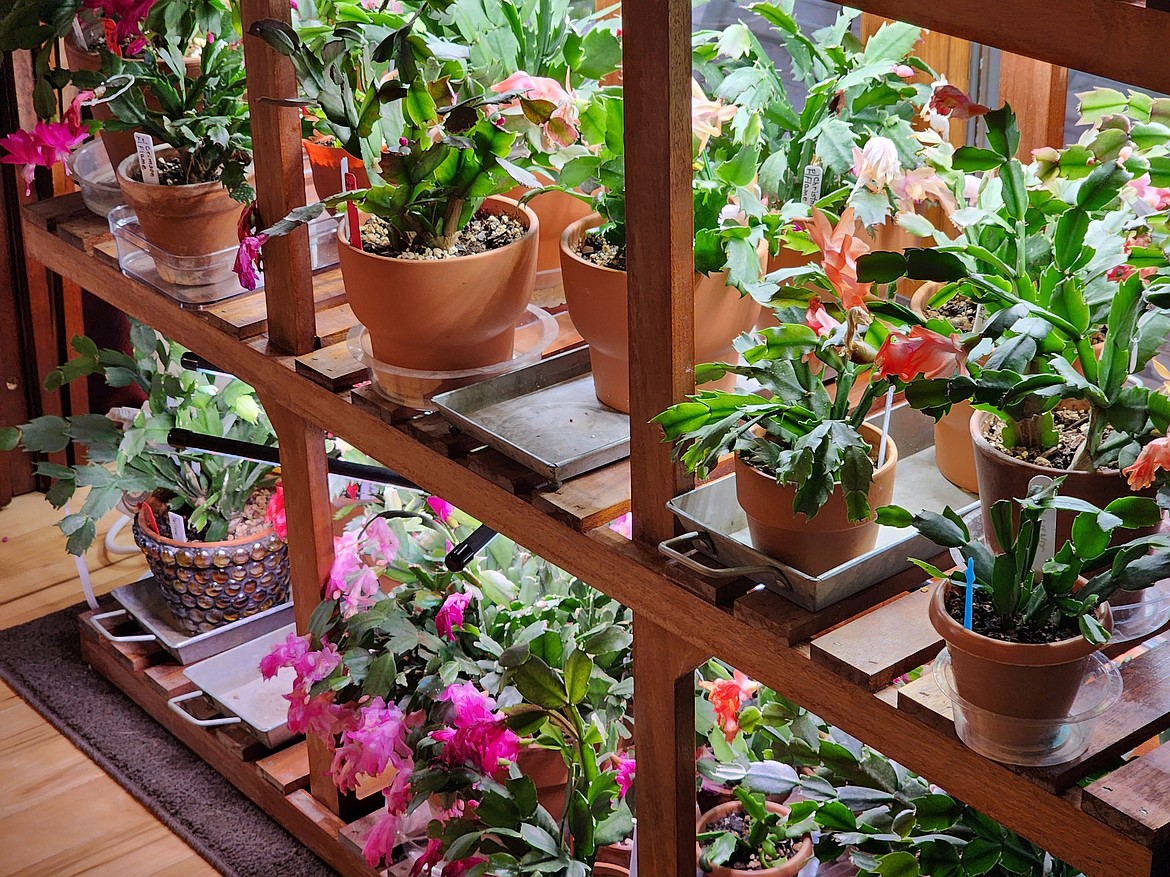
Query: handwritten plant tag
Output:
(146,160)
(79,36)
(178,528)
(1047,545)
(810,192)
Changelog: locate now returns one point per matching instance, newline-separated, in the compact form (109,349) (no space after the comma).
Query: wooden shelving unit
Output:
(838,663)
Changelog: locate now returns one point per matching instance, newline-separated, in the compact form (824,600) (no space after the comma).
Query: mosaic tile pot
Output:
(210,584)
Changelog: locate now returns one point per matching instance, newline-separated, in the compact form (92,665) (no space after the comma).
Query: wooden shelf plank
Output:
(590,500)
(288,768)
(881,645)
(333,367)
(1135,798)
(1068,33)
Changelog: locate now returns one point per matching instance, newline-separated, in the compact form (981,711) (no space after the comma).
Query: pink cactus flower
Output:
(561,127)
(47,143)
(627,767)
(275,515)
(442,509)
(450,615)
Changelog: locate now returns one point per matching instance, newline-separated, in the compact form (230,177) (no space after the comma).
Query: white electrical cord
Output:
(111,537)
(83,573)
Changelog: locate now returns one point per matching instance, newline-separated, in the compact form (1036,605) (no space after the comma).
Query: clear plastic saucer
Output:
(91,170)
(1138,620)
(1033,742)
(413,388)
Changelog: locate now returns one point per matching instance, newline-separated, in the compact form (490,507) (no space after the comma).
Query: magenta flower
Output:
(627,767)
(347,559)
(284,654)
(470,705)
(450,615)
(376,743)
(123,23)
(442,509)
(479,738)
(247,265)
(361,593)
(460,868)
(431,856)
(318,715)
(382,839)
(623,525)
(47,143)
(313,666)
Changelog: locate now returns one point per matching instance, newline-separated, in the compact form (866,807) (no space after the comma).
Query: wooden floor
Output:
(60,814)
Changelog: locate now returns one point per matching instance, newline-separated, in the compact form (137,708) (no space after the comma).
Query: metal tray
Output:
(719,529)
(546,416)
(233,682)
(144,603)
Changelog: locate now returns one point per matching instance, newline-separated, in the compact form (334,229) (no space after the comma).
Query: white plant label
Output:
(1047,544)
(79,36)
(146,159)
(810,192)
(344,171)
(178,528)
(980,319)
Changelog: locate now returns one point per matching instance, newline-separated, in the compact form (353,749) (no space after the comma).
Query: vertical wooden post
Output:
(664,713)
(305,476)
(660,245)
(280,184)
(1037,92)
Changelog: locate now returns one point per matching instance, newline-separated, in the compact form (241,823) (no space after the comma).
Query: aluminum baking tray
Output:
(143,602)
(546,416)
(719,530)
(232,681)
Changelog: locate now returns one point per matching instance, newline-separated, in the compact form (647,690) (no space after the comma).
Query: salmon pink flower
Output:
(1154,456)
(561,126)
(274,513)
(923,184)
(876,165)
(902,71)
(727,696)
(708,116)
(820,320)
(450,615)
(920,353)
(840,248)
(1157,198)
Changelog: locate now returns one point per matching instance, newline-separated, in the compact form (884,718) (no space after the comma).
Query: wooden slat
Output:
(435,432)
(333,324)
(1135,798)
(247,315)
(372,402)
(86,231)
(240,743)
(589,500)
(288,768)
(792,624)
(52,212)
(1144,710)
(504,471)
(720,592)
(135,657)
(333,367)
(881,645)
(168,680)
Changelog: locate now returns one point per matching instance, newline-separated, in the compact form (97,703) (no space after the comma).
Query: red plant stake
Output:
(351,214)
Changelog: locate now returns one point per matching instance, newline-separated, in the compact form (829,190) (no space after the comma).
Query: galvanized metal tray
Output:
(232,681)
(719,529)
(546,416)
(142,601)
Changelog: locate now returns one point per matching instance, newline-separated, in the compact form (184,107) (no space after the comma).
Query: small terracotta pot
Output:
(209,584)
(546,768)
(443,314)
(556,211)
(191,221)
(790,868)
(1004,477)
(599,308)
(608,869)
(325,163)
(826,540)
(954,455)
(1038,682)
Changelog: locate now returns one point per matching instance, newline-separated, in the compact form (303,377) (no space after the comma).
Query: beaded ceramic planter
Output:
(209,584)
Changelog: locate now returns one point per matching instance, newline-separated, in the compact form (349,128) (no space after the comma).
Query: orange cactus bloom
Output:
(727,697)
(840,248)
(1154,456)
(921,352)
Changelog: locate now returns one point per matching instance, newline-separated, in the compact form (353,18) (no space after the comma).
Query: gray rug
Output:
(41,661)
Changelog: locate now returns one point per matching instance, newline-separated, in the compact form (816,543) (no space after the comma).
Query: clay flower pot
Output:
(804,850)
(811,545)
(598,306)
(325,163)
(1012,681)
(189,221)
(546,768)
(209,584)
(954,455)
(556,211)
(443,314)
(1002,476)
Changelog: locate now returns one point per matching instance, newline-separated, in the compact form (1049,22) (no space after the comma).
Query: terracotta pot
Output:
(443,314)
(1004,477)
(790,868)
(828,539)
(325,163)
(599,308)
(1038,682)
(954,455)
(556,211)
(608,869)
(209,584)
(546,768)
(192,221)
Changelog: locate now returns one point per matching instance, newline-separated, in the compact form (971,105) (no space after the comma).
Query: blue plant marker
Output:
(970,601)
